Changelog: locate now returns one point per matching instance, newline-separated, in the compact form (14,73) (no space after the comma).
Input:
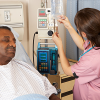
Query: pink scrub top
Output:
(87,85)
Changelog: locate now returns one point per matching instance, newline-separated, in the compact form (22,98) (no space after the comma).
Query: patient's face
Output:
(7,44)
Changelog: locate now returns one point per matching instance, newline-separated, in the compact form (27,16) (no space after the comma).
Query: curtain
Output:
(72,52)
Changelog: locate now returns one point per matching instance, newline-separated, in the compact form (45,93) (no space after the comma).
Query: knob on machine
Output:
(50,33)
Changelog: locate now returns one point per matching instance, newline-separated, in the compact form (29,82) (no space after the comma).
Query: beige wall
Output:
(32,12)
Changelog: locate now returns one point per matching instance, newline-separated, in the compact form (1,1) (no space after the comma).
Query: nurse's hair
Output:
(88,20)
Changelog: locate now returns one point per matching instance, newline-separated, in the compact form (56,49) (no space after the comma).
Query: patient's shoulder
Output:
(22,63)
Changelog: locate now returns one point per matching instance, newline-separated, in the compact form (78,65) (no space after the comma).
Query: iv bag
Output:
(56,8)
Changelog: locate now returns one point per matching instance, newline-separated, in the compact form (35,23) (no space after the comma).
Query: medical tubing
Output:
(33,45)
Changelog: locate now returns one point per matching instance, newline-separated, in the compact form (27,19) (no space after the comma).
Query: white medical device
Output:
(45,23)
(11,14)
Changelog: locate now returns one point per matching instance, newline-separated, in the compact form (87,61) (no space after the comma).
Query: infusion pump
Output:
(45,23)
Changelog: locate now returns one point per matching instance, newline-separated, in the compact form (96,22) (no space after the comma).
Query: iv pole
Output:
(45,5)
(46,40)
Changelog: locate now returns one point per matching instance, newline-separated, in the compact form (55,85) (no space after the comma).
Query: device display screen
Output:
(43,57)
(42,13)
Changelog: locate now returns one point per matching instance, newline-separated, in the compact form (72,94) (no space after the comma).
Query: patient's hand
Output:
(54,97)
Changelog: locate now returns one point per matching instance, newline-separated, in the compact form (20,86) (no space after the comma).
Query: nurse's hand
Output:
(57,40)
(63,19)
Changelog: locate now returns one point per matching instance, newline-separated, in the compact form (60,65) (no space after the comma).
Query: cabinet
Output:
(65,83)
(12,14)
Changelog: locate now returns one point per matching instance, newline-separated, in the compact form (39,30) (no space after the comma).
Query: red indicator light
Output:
(42,14)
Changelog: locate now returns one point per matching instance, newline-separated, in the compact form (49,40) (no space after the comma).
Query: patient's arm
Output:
(53,97)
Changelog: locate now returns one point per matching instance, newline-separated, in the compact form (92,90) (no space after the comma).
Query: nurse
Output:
(87,70)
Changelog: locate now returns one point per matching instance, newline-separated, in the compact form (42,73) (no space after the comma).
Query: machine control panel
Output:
(43,62)
(45,23)
(42,23)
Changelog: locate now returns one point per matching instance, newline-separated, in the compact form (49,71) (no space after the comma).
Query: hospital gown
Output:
(18,78)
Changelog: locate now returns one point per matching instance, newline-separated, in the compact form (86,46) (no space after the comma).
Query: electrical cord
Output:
(33,45)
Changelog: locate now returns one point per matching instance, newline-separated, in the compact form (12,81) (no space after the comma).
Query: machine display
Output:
(47,59)
(45,23)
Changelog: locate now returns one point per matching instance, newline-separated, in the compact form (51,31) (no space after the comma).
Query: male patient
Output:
(18,78)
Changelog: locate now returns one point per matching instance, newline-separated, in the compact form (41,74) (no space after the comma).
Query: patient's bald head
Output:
(7,45)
